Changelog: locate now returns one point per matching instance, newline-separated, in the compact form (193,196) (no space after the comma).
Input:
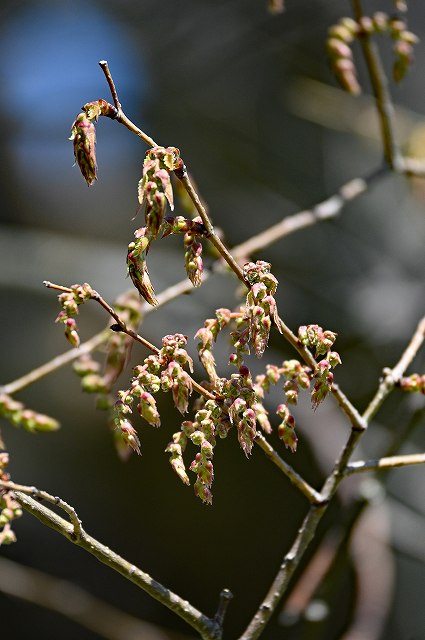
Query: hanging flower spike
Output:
(83,135)
(193,256)
(341,35)
(207,335)
(286,429)
(155,185)
(137,267)
(176,449)
(260,307)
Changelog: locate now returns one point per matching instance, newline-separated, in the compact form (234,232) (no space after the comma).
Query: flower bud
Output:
(83,135)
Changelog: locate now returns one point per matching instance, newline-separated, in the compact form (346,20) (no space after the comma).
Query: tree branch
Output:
(206,627)
(392,376)
(384,463)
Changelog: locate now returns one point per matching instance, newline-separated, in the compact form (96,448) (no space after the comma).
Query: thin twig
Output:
(211,235)
(75,603)
(298,481)
(56,363)
(289,224)
(123,327)
(43,495)
(392,376)
(329,208)
(383,100)
(205,626)
(384,463)
(121,117)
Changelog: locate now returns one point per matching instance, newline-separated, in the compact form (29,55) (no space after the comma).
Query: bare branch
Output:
(392,376)
(311,494)
(205,626)
(384,463)
(75,603)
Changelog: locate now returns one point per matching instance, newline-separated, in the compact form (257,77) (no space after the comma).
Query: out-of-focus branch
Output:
(384,463)
(383,101)
(329,208)
(56,363)
(206,627)
(77,604)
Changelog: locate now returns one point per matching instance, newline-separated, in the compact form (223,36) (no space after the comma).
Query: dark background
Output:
(251,103)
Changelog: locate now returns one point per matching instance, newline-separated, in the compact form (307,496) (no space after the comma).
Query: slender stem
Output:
(43,495)
(381,92)
(121,117)
(103,64)
(205,626)
(329,208)
(287,226)
(225,598)
(311,494)
(392,376)
(105,620)
(211,235)
(286,570)
(123,327)
(55,364)
(384,463)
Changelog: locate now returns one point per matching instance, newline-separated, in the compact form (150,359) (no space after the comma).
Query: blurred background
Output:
(250,101)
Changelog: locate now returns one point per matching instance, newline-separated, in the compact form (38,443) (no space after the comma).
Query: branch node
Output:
(225,597)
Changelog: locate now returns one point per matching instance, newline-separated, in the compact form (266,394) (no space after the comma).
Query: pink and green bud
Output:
(94,383)
(288,436)
(71,333)
(261,416)
(83,135)
(202,491)
(139,274)
(148,410)
(99,108)
(129,435)
(193,259)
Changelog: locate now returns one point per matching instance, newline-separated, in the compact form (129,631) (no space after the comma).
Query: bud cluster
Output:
(83,136)
(413,383)
(70,301)
(260,307)
(342,34)
(207,335)
(193,257)
(192,229)
(155,185)
(9,507)
(286,429)
(18,415)
(211,421)
(240,400)
(163,371)
(314,337)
